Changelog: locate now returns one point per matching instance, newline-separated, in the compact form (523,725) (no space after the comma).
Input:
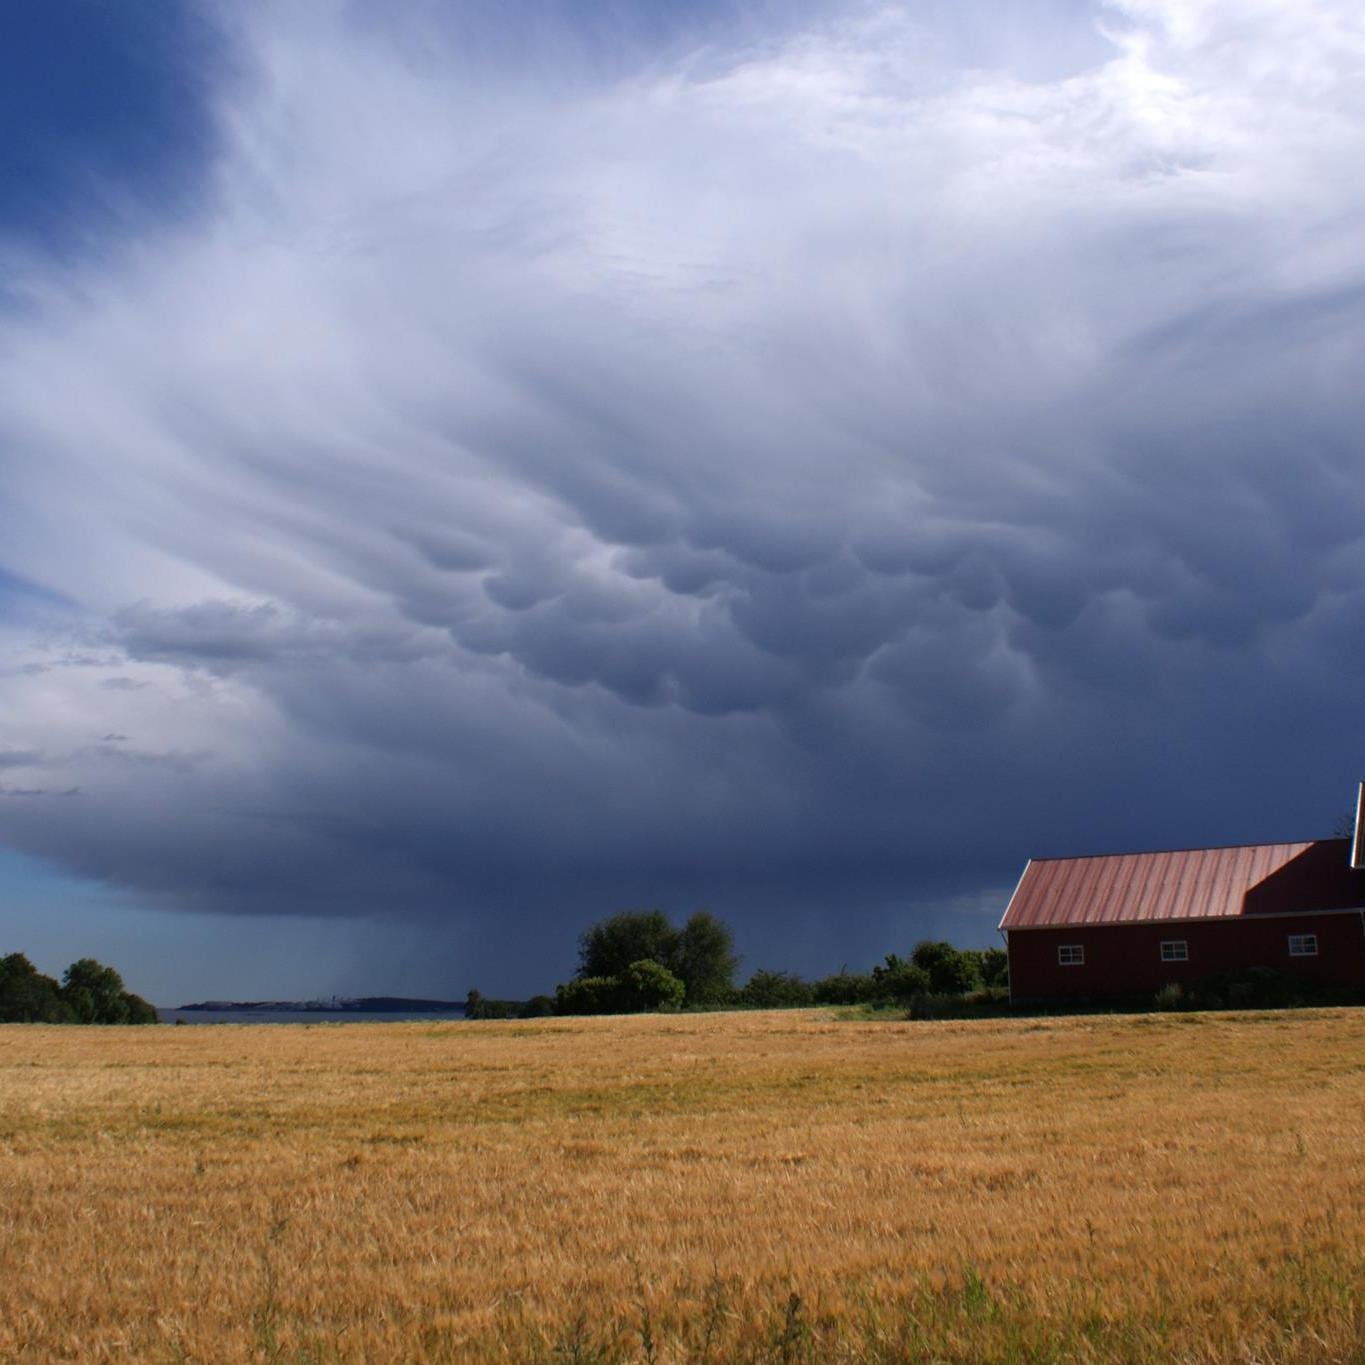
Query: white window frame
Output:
(1175,950)
(1303,945)
(1071,954)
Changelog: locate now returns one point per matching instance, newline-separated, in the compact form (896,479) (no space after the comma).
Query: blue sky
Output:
(465,470)
(101,103)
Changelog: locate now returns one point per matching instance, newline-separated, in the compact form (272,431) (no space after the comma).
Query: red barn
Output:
(1127,924)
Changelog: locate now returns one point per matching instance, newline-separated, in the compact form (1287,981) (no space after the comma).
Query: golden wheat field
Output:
(767,1187)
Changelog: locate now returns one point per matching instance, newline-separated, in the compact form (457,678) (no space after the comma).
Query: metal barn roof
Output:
(1194,883)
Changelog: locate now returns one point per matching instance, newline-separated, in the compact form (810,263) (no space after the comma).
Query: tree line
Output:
(90,993)
(637,961)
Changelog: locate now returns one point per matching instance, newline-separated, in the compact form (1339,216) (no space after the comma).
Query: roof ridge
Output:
(1191,848)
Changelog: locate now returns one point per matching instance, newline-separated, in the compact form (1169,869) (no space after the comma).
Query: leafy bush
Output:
(643,986)
(993,966)
(588,995)
(899,980)
(950,971)
(1171,996)
(844,988)
(479,1006)
(498,1009)
(774,990)
(537,1007)
(647,986)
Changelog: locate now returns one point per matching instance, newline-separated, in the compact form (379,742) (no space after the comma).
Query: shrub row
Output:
(933,969)
(695,966)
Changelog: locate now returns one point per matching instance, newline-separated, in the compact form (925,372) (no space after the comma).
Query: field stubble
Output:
(781,1186)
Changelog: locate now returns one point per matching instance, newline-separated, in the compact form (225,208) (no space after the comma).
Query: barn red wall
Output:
(1126,958)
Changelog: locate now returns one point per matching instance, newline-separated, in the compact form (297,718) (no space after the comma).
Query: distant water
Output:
(300,1016)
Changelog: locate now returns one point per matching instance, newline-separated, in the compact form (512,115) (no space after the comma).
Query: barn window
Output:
(1070,954)
(1175,950)
(1303,945)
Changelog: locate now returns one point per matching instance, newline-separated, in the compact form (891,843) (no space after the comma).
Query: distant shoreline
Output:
(369,1004)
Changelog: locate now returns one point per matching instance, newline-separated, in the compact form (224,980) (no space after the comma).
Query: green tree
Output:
(608,947)
(95,993)
(29,997)
(705,961)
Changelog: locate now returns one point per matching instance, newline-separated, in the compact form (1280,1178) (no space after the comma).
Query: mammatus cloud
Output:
(805,475)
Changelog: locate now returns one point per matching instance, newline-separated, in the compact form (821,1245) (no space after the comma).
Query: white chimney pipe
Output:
(1358,843)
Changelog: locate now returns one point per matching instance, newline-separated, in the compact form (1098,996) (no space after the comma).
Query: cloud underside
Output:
(804,475)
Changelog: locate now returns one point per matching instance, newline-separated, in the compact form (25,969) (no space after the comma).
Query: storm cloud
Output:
(803,470)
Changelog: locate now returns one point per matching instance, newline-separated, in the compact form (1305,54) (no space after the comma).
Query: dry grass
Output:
(781,1187)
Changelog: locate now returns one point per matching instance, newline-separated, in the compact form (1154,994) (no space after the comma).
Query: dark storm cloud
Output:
(806,478)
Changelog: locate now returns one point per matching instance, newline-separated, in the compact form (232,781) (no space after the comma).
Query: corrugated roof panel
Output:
(1096,894)
(1197,883)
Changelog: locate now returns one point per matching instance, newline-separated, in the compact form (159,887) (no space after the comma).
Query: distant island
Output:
(365,1004)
